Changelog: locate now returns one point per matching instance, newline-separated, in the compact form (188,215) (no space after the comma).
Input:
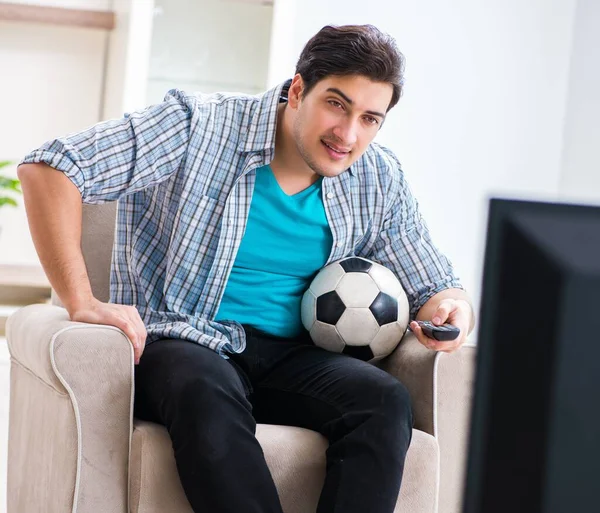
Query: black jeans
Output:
(210,407)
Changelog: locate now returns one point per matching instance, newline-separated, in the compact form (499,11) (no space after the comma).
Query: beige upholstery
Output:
(298,470)
(74,446)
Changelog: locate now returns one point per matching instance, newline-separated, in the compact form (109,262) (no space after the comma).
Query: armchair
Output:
(75,446)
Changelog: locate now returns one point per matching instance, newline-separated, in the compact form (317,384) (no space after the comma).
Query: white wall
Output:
(484,104)
(57,80)
(213,45)
(128,57)
(580,178)
(51,84)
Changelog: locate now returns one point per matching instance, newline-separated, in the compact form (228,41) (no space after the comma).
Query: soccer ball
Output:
(356,307)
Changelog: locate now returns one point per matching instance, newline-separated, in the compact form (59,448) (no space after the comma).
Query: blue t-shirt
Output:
(287,241)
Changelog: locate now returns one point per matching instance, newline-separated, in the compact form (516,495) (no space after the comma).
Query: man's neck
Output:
(288,166)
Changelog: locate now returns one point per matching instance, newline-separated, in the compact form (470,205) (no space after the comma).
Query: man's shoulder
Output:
(214,103)
(383,165)
(238,118)
(382,157)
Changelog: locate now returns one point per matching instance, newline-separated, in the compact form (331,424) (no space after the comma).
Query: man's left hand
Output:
(452,311)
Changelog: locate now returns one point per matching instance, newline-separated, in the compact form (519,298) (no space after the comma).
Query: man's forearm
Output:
(428,309)
(53,207)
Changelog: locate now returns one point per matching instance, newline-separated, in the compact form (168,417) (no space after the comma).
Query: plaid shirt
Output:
(183,172)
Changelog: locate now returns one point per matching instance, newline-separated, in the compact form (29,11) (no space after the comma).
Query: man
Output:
(228,206)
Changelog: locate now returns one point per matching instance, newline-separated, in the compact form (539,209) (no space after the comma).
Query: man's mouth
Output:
(336,149)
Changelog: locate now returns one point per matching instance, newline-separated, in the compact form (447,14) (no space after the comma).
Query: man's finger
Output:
(129,330)
(435,345)
(142,334)
(136,327)
(140,328)
(421,337)
(443,311)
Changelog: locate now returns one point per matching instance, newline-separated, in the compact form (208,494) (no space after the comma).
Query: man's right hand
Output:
(125,317)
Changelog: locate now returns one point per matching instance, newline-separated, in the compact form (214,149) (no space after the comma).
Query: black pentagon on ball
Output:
(330,307)
(384,308)
(356,265)
(360,352)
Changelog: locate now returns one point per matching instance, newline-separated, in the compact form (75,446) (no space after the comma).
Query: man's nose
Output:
(347,133)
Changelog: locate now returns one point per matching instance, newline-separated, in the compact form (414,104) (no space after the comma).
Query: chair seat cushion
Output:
(296,458)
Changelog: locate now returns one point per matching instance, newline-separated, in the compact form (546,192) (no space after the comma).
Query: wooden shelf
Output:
(57,16)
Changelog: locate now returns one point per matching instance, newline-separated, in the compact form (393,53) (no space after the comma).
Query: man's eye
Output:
(371,120)
(335,103)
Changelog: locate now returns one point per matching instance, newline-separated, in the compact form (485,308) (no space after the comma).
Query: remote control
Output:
(442,333)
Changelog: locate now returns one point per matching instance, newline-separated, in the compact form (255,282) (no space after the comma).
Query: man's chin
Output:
(328,168)
(331,170)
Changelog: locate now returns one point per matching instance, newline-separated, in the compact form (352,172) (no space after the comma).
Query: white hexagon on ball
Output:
(386,280)
(357,326)
(387,339)
(327,279)
(403,309)
(308,309)
(327,337)
(357,290)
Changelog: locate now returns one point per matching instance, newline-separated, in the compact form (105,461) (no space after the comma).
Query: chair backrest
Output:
(97,237)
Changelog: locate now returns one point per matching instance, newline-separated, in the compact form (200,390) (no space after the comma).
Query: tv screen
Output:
(535,424)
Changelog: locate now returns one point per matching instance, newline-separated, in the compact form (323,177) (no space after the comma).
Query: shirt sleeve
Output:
(122,156)
(404,246)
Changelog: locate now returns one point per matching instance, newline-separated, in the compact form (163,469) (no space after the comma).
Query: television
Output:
(534,439)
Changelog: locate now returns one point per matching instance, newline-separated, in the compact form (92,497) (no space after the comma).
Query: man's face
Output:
(335,122)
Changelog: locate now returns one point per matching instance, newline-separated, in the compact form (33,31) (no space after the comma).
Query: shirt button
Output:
(330,195)
(339,244)
(231,221)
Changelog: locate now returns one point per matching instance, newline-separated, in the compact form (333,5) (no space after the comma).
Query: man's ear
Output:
(295,91)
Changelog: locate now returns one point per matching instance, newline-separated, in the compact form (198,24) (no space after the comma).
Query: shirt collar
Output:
(263,125)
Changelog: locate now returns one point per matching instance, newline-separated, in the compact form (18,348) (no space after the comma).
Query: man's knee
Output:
(396,415)
(380,408)
(388,399)
(396,397)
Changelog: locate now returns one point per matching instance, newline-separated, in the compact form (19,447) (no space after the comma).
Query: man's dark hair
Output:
(352,50)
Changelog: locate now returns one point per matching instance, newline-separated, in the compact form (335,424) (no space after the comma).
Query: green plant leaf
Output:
(10,184)
(7,201)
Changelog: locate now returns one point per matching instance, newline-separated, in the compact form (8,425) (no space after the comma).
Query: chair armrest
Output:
(441,389)
(86,372)
(414,365)
(454,392)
